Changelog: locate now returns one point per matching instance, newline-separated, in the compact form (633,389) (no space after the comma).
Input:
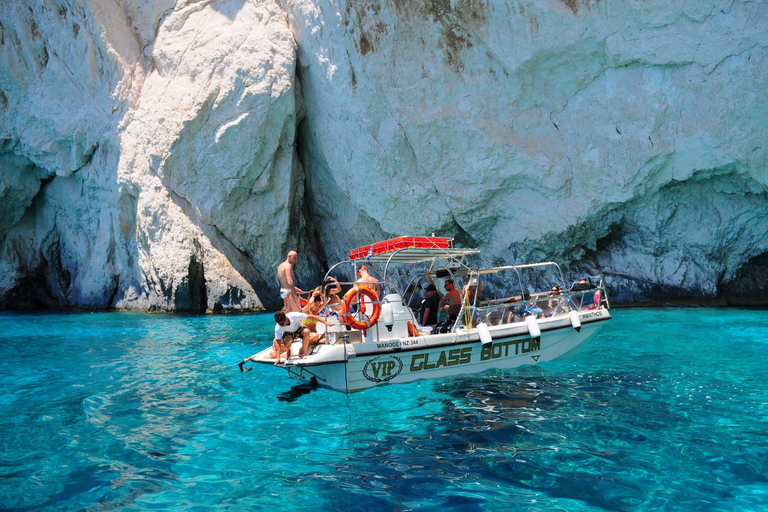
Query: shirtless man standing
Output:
(364,277)
(452,299)
(288,289)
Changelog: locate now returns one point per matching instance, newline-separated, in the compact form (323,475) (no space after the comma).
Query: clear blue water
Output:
(667,409)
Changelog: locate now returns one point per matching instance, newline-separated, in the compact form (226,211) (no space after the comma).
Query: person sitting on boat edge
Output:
(289,326)
(429,307)
(313,308)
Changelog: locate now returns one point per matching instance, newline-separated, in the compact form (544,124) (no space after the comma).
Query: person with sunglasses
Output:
(558,303)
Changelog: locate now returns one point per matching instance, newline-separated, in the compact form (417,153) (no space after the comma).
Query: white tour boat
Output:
(378,340)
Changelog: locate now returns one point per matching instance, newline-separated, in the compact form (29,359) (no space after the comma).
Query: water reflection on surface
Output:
(151,412)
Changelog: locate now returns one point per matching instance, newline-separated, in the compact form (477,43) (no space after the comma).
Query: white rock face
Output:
(621,138)
(164,139)
(150,151)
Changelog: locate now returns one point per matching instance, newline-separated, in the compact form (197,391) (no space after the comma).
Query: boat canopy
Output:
(409,249)
(419,249)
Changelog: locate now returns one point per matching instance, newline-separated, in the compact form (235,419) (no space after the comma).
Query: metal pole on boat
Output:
(345,338)
(520,282)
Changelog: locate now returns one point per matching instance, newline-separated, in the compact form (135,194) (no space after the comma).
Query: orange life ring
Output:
(355,296)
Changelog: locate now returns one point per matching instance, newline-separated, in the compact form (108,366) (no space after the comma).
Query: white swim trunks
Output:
(284,292)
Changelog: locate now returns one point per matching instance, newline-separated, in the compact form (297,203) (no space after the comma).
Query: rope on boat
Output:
(346,373)
(467,311)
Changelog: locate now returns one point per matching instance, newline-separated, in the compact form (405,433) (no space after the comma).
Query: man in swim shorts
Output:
(288,289)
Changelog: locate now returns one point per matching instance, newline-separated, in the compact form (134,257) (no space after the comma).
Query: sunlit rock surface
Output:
(625,138)
(148,154)
(166,156)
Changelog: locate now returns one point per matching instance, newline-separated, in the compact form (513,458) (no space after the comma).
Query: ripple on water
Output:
(132,411)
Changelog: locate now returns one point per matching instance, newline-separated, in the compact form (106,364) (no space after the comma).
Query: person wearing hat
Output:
(429,307)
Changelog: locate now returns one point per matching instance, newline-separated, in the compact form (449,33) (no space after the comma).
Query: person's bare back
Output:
(364,277)
(288,289)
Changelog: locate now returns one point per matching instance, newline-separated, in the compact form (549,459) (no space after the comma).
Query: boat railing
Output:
(500,311)
(510,310)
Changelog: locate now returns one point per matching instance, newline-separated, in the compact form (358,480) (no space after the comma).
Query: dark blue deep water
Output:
(666,409)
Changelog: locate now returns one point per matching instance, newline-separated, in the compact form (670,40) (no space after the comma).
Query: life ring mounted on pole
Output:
(356,295)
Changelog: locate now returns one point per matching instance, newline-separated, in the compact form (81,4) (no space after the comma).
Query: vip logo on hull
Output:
(383,368)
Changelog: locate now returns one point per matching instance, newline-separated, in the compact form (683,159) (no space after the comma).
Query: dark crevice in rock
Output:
(312,236)
(750,285)
(191,294)
(644,290)
(165,289)
(706,274)
(615,235)
(233,295)
(581,244)
(461,238)
(65,277)
(115,290)
(43,281)
(44,286)
(88,156)
(239,259)
(44,182)
(29,293)
(573,5)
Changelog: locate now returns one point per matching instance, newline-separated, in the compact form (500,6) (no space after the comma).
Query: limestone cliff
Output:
(148,154)
(166,155)
(626,138)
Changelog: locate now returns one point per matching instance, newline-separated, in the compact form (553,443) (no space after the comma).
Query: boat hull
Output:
(355,367)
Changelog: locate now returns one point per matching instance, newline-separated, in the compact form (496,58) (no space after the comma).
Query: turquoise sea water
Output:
(666,409)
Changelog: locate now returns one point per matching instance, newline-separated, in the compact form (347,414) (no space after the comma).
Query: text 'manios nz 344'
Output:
(376,337)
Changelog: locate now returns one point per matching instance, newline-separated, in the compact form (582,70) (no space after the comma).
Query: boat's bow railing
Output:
(603,302)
